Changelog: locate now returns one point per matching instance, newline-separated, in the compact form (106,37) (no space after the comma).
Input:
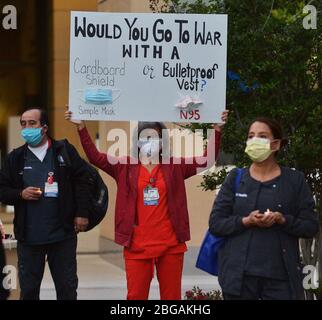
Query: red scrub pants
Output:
(140,272)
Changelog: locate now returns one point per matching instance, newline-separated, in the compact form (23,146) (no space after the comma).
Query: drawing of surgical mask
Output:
(100,96)
(188,103)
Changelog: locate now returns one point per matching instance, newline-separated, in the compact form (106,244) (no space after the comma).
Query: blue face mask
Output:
(32,136)
(99,96)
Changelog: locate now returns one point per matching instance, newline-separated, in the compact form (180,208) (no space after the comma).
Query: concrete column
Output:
(59,68)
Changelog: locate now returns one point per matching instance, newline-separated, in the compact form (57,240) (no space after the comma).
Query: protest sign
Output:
(148,67)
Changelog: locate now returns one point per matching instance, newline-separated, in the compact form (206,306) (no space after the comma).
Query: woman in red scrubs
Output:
(151,215)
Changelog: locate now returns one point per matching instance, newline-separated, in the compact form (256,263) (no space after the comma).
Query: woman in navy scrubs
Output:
(262,222)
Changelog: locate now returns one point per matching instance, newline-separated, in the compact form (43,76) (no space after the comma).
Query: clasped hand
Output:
(263,220)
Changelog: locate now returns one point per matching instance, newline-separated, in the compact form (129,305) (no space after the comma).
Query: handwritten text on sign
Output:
(148,67)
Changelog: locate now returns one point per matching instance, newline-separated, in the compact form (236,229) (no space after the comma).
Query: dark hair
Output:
(275,127)
(44,119)
(159,126)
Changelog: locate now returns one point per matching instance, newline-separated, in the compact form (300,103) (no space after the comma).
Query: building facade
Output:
(41,77)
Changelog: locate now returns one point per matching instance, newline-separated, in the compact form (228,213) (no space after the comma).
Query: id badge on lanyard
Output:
(51,187)
(151,196)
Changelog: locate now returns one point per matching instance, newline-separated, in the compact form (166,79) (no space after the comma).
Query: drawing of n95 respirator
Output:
(100,96)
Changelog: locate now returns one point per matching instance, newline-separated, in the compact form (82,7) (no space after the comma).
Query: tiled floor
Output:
(101,280)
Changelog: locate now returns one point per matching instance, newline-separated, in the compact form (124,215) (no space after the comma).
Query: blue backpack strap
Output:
(238,178)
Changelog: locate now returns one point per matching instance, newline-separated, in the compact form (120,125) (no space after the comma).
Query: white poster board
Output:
(148,67)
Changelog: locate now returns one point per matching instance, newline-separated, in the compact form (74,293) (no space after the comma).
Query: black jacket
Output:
(72,178)
(295,202)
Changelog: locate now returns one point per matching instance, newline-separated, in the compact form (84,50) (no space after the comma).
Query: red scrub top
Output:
(154,235)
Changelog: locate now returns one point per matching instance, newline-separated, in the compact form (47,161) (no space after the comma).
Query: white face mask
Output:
(149,150)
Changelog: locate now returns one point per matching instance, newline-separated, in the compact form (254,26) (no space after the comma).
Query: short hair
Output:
(44,119)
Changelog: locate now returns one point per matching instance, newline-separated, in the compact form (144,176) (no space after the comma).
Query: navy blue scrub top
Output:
(264,255)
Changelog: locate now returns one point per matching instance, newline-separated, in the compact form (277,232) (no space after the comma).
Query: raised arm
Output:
(101,160)
(194,165)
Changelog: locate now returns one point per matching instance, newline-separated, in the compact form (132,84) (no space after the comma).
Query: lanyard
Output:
(50,178)
(153,178)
